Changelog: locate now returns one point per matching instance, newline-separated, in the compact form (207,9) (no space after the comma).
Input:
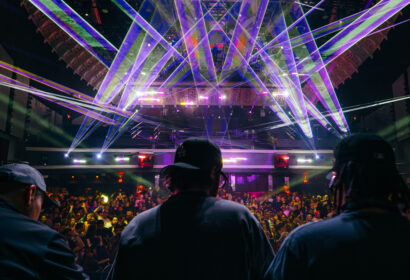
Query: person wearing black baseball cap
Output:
(369,238)
(28,248)
(194,235)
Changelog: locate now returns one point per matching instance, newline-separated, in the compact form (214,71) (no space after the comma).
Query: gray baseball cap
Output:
(25,174)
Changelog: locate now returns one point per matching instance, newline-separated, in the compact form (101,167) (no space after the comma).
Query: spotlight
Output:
(304,160)
(99,156)
(66,155)
(317,156)
(122,159)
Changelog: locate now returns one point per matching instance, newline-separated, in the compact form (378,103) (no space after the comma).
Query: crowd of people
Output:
(92,222)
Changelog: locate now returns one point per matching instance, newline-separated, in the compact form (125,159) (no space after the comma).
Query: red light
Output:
(68,116)
(120,180)
(305,179)
(146,160)
(220,46)
(120,173)
(355,118)
(150,137)
(281,161)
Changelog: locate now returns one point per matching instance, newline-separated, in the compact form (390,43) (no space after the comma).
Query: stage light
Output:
(79,161)
(283,93)
(317,156)
(281,161)
(105,198)
(304,160)
(148,99)
(222,97)
(99,156)
(233,160)
(146,160)
(187,103)
(203,97)
(122,159)
(66,155)
(305,179)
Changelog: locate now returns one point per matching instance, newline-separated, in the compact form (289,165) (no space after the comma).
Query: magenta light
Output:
(148,99)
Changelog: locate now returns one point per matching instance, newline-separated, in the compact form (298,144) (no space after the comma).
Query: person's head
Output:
(90,217)
(197,166)
(100,224)
(24,187)
(56,225)
(129,214)
(79,227)
(365,174)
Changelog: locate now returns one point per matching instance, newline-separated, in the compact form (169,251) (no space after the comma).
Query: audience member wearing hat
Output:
(194,235)
(369,239)
(28,248)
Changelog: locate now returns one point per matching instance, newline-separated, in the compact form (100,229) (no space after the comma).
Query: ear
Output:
(214,172)
(30,195)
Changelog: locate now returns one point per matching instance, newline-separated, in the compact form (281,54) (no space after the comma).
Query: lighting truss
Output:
(268,43)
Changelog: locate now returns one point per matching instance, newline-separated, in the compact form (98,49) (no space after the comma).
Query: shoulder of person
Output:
(319,230)
(34,231)
(228,205)
(143,222)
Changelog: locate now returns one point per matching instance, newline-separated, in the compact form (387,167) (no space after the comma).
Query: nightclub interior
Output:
(97,95)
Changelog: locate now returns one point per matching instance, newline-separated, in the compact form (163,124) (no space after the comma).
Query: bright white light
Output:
(104,198)
(187,103)
(99,156)
(148,99)
(203,97)
(240,158)
(122,159)
(66,155)
(233,160)
(222,97)
(283,93)
(317,156)
(82,161)
(148,92)
(304,160)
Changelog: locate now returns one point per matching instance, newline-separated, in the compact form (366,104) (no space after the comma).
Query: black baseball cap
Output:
(25,174)
(195,154)
(365,148)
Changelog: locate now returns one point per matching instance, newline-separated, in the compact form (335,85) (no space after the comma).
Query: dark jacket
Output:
(352,245)
(194,236)
(32,250)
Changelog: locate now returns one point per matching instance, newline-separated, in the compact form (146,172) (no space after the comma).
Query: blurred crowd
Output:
(92,222)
